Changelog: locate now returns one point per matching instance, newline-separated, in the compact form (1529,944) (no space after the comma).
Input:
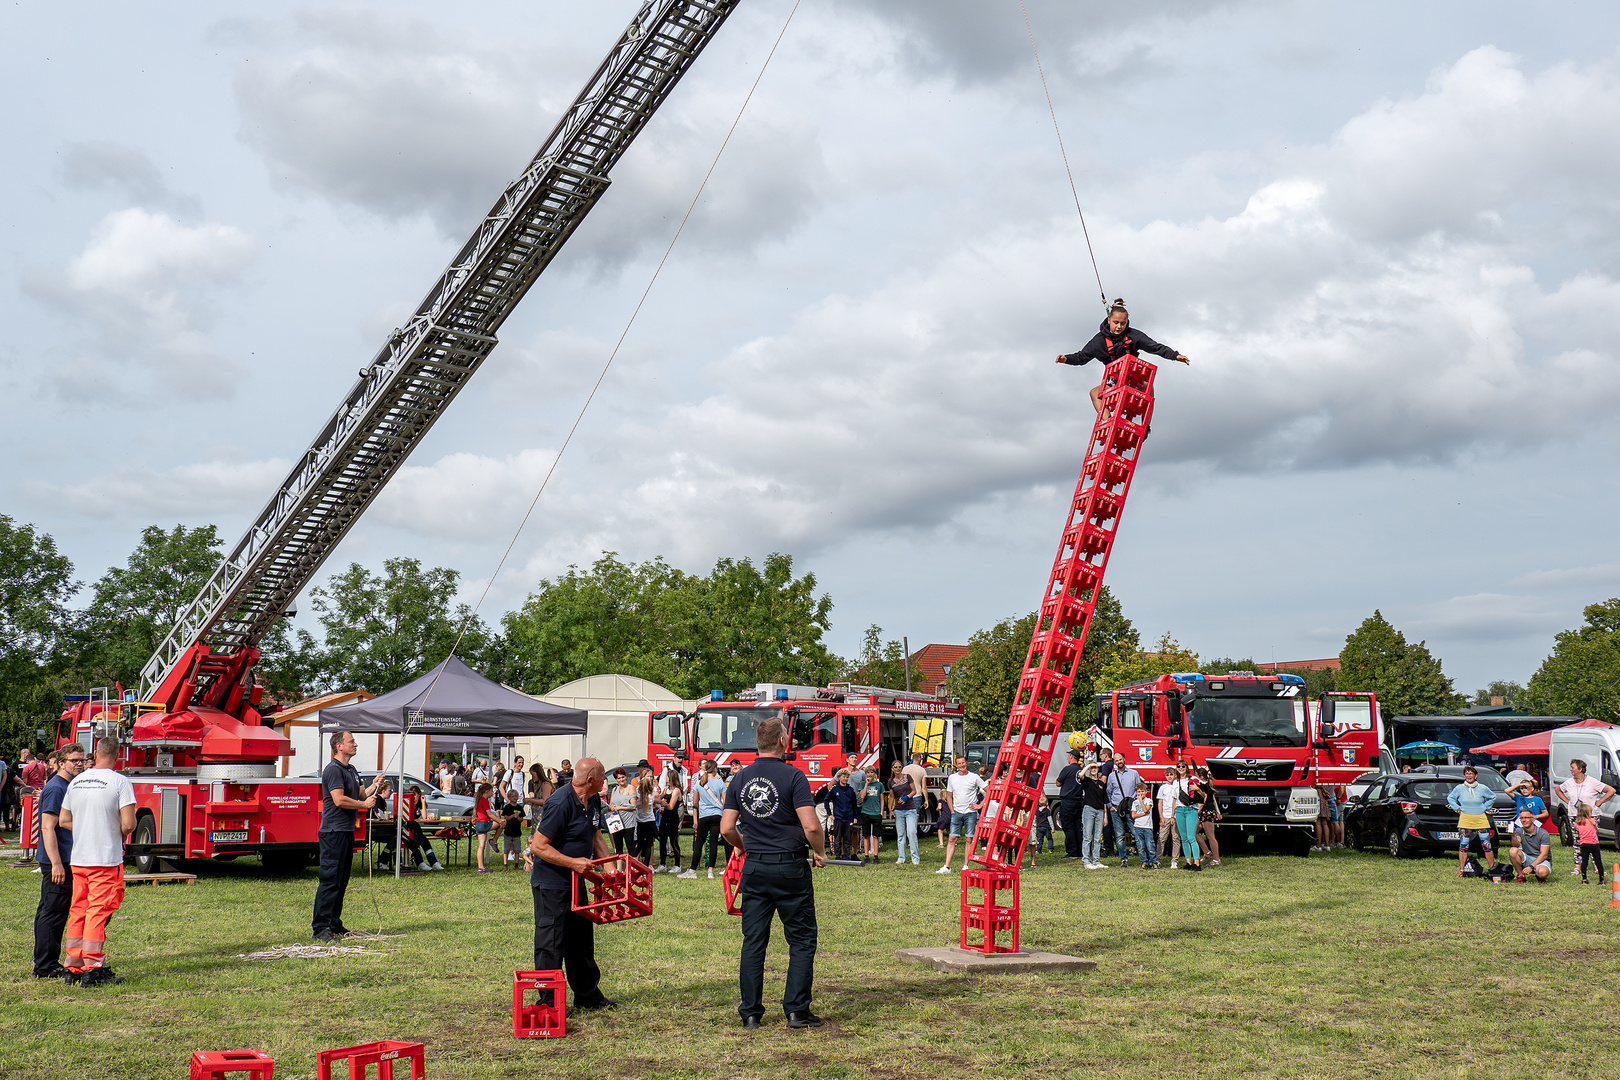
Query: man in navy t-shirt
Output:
(770,816)
(54,856)
(565,841)
(341,798)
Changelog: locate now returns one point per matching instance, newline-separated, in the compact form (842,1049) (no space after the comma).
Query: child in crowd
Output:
(481,823)
(1043,827)
(511,834)
(1142,826)
(1586,837)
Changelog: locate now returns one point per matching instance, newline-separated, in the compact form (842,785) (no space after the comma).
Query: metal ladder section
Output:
(425,363)
(1054,652)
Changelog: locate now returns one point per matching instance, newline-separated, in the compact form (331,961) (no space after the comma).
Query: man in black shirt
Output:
(340,798)
(567,838)
(770,817)
(1070,804)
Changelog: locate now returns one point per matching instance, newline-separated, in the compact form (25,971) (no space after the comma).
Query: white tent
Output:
(618,707)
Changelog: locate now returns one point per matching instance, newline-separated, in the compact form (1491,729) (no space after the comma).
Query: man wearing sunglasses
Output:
(56,871)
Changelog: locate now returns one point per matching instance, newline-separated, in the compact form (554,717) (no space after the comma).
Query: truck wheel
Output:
(145,833)
(1566,835)
(1398,848)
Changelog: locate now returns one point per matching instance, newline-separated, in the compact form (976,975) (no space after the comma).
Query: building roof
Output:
(1326,663)
(931,664)
(315,704)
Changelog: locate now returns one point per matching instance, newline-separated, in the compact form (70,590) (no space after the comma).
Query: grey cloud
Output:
(973,41)
(127,171)
(399,121)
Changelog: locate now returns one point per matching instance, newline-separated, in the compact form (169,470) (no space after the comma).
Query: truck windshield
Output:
(1257,721)
(730,728)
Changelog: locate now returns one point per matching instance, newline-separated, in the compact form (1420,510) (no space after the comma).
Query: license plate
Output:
(1446,836)
(1254,800)
(228,836)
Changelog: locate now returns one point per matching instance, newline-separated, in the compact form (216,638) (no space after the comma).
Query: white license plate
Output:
(1254,800)
(1446,836)
(228,836)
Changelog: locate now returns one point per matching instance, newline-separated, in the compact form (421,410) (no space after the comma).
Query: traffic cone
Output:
(1614,885)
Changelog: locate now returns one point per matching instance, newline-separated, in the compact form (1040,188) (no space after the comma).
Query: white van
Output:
(1599,747)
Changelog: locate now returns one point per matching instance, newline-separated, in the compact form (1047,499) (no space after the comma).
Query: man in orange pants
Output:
(99,808)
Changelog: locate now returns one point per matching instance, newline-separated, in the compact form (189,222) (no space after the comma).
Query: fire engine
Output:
(826,725)
(1266,745)
(192,740)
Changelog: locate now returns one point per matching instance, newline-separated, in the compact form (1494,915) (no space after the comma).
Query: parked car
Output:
(1407,812)
(1358,787)
(434,800)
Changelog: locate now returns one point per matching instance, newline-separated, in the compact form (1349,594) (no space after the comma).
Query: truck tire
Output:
(1566,835)
(145,833)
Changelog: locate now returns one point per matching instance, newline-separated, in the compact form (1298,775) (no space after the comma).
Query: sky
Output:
(1387,236)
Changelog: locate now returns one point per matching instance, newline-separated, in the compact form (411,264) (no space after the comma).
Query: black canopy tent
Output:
(452,700)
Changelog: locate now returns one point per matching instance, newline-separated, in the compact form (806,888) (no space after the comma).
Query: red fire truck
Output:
(1265,744)
(826,725)
(192,738)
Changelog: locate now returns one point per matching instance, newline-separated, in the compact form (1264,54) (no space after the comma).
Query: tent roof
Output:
(453,699)
(1539,742)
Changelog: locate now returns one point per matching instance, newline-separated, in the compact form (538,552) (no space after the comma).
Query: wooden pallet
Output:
(159,879)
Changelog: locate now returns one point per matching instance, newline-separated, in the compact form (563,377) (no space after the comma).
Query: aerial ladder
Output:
(198,696)
(990,894)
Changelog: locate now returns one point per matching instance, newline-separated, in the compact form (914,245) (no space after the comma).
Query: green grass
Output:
(1333,966)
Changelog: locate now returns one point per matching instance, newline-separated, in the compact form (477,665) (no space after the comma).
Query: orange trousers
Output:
(98,891)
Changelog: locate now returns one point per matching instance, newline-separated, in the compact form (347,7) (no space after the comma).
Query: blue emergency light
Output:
(781,695)
(717,695)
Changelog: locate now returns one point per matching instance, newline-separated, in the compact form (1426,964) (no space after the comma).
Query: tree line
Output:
(739,624)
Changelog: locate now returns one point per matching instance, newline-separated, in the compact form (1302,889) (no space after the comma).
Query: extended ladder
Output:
(411,381)
(1054,653)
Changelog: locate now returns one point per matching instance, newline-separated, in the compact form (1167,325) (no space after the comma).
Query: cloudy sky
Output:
(1388,236)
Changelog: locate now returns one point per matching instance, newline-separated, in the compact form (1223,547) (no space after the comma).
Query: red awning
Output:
(1531,744)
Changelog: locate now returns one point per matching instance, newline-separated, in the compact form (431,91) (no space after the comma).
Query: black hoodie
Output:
(1108,347)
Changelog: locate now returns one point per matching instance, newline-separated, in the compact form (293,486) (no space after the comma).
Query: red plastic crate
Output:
(619,887)
(218,1064)
(535,1020)
(982,917)
(731,882)
(385,1055)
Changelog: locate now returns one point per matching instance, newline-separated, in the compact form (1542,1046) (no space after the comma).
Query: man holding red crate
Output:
(566,840)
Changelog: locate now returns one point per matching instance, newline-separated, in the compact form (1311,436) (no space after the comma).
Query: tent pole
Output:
(399,807)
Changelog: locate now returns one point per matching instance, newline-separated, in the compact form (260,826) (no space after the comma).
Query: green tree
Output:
(986,679)
(1165,658)
(881,663)
(1509,692)
(36,582)
(1408,680)
(137,604)
(740,625)
(380,631)
(1581,677)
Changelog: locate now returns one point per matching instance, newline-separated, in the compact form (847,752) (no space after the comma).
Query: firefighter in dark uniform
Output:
(1117,338)
(769,817)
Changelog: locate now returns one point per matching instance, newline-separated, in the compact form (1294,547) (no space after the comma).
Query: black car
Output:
(1407,812)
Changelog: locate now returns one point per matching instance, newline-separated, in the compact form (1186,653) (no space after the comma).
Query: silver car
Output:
(434,800)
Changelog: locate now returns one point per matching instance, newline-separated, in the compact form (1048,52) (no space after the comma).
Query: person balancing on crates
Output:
(1116,338)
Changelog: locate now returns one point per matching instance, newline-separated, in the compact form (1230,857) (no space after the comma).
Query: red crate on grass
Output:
(731,882)
(538,1021)
(219,1064)
(385,1055)
(619,887)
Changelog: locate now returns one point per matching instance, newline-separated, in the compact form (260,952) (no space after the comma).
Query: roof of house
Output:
(929,664)
(316,703)
(1326,663)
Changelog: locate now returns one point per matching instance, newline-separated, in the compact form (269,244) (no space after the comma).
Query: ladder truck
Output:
(194,746)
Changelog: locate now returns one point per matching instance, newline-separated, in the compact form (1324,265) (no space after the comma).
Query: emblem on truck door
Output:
(1146,752)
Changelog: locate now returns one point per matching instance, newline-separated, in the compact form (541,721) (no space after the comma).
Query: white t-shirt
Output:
(1142,812)
(965,790)
(94,798)
(1588,791)
(1170,797)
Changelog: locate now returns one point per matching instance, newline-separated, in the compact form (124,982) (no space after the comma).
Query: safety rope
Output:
(1062,150)
(602,375)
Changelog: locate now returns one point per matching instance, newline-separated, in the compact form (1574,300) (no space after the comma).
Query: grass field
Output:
(1334,965)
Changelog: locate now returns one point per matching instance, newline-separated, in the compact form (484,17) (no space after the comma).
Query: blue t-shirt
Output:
(50,802)
(571,829)
(767,796)
(1531,803)
(709,796)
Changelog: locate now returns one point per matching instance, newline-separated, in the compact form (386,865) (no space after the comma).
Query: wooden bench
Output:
(159,879)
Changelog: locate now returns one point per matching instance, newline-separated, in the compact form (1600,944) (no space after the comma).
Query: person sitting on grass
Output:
(1472,799)
(1532,848)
